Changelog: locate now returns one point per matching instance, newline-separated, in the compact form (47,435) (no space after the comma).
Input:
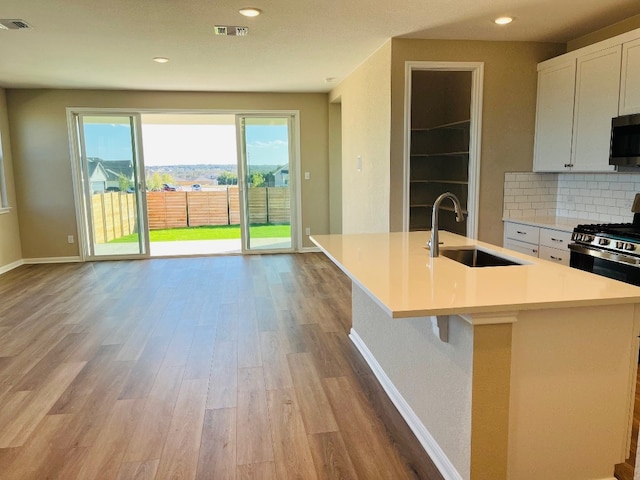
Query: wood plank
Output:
(17,431)
(148,439)
(144,372)
(180,346)
(257,471)
(223,381)
(330,456)
(139,470)
(291,449)
(105,456)
(375,458)
(274,358)
(87,380)
(201,353)
(253,430)
(249,354)
(181,451)
(218,447)
(38,374)
(37,457)
(325,355)
(92,410)
(316,411)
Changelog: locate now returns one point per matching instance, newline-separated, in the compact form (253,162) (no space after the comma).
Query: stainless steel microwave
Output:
(625,141)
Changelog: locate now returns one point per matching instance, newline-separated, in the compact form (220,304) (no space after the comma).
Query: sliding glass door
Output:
(109,158)
(266,151)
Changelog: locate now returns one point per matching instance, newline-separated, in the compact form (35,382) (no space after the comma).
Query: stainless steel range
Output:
(611,250)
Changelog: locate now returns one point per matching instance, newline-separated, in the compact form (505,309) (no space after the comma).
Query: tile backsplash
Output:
(597,197)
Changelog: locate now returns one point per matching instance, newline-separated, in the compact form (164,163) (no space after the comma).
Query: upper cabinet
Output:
(596,103)
(578,95)
(630,80)
(554,116)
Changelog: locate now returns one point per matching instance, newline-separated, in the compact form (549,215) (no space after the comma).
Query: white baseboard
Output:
(36,261)
(11,266)
(309,250)
(429,444)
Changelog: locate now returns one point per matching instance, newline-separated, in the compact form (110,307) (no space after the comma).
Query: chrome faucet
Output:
(433,244)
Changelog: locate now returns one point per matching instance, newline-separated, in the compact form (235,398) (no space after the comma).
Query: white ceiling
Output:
(292,47)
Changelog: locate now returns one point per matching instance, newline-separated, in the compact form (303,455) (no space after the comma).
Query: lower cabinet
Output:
(546,243)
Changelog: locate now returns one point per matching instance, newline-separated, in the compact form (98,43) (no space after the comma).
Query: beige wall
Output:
(627,25)
(10,251)
(366,101)
(335,167)
(508,115)
(43,166)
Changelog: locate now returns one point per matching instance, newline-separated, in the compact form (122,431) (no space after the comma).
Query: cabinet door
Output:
(597,95)
(554,117)
(630,81)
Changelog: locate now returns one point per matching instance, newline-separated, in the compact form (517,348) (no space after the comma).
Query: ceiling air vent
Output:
(13,24)
(231,31)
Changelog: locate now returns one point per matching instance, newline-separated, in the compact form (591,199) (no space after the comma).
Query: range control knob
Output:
(603,241)
(629,246)
(587,238)
(620,245)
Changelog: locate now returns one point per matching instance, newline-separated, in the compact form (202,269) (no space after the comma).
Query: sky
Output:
(188,144)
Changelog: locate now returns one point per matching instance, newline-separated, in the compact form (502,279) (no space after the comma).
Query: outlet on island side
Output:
(70,239)
(307,231)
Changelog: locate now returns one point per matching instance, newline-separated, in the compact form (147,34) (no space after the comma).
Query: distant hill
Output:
(210,171)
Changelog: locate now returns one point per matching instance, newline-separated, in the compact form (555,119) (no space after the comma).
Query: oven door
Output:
(621,267)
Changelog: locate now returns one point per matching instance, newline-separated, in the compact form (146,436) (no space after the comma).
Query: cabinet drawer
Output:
(522,247)
(555,255)
(554,238)
(524,233)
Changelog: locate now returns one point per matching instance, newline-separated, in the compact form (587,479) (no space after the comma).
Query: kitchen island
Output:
(511,372)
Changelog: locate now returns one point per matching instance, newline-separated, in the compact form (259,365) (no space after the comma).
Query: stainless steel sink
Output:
(474,257)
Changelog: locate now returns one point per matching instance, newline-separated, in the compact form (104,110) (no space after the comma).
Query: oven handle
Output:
(605,254)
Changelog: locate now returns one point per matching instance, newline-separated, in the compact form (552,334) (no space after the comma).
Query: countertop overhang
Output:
(396,270)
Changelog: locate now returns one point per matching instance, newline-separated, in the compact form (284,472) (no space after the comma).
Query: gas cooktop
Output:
(623,237)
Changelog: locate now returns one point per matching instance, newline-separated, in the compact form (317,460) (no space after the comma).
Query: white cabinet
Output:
(554,116)
(578,95)
(596,103)
(547,243)
(630,78)
(522,238)
(554,245)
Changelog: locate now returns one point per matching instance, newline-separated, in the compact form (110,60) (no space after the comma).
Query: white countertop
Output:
(398,273)
(565,224)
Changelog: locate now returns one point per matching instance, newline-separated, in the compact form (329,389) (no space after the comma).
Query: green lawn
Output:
(224,232)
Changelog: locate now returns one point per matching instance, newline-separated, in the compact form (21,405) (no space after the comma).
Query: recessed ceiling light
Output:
(160,59)
(503,20)
(329,79)
(250,11)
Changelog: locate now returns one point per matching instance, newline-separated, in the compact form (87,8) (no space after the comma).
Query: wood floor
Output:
(204,368)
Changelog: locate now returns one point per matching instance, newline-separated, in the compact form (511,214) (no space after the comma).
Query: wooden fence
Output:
(114,213)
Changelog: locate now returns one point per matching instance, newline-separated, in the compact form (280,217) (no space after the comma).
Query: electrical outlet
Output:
(307,175)
(307,231)
(70,239)
(359,163)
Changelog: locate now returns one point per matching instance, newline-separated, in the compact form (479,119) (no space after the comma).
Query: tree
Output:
(124,183)
(256,180)
(227,178)
(154,182)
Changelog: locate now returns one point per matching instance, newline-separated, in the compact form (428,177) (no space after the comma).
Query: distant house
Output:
(98,176)
(106,174)
(281,176)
